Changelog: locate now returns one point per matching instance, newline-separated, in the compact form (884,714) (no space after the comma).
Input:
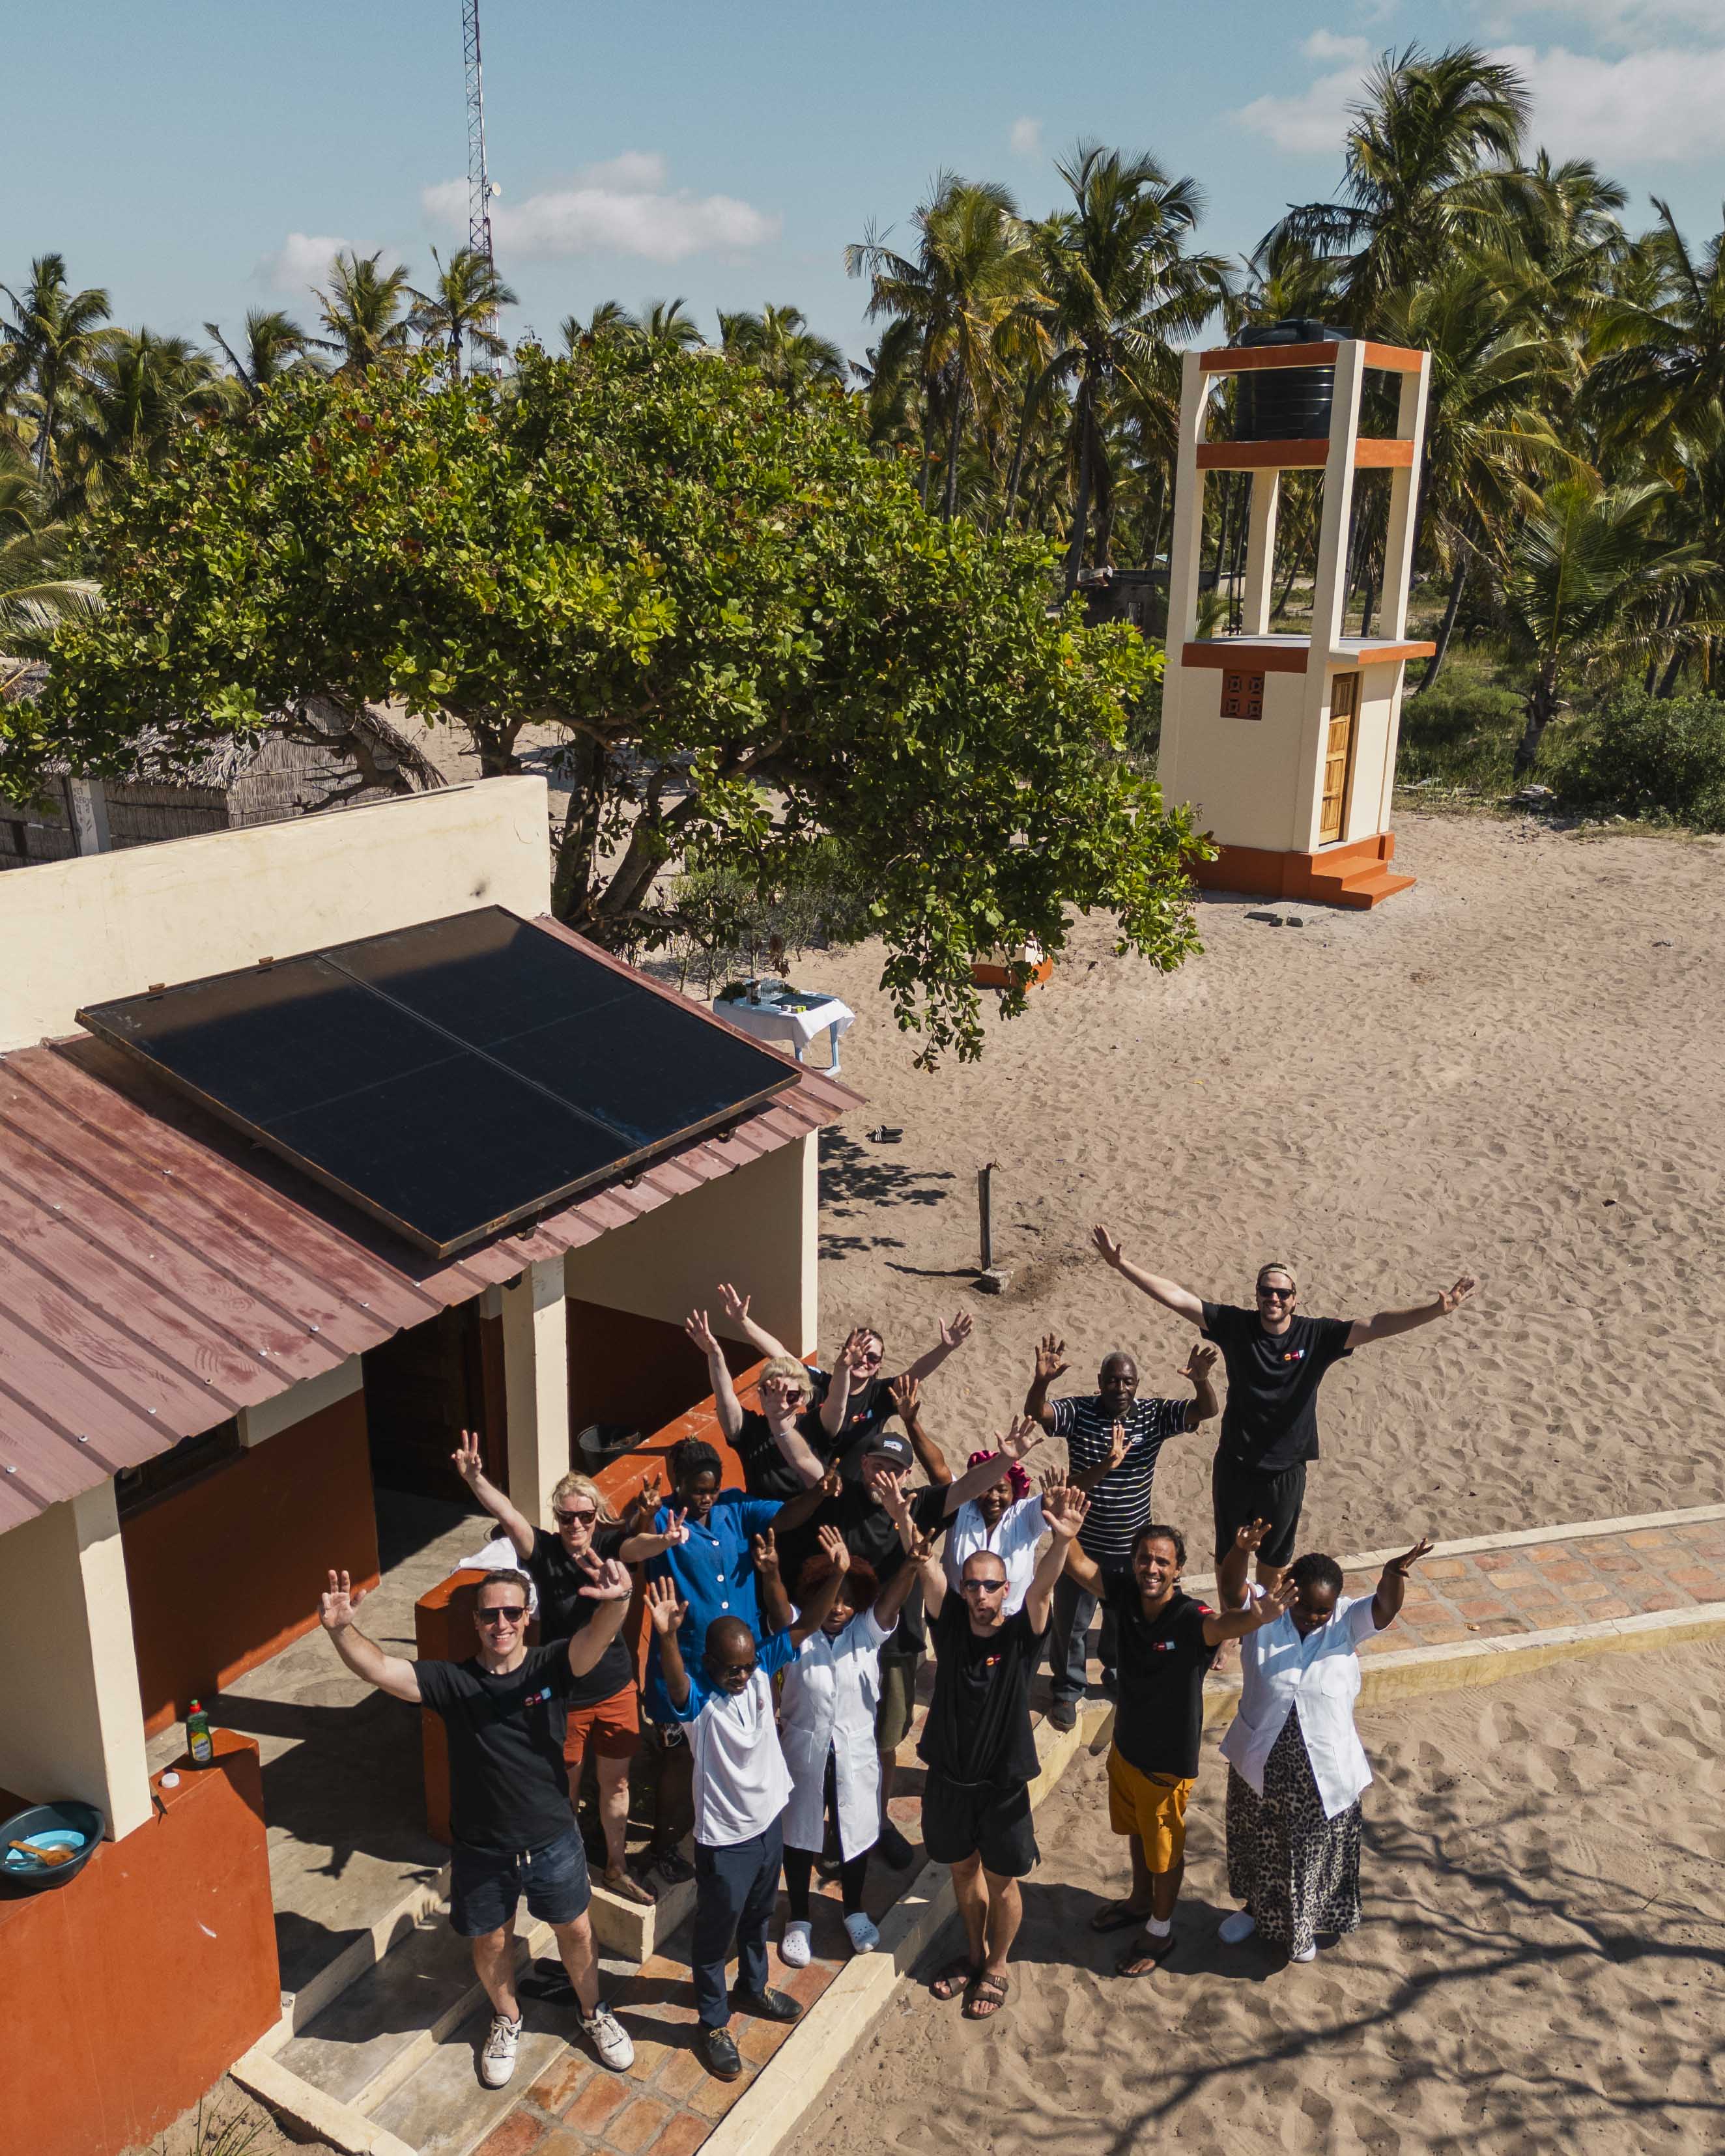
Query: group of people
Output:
(789,1619)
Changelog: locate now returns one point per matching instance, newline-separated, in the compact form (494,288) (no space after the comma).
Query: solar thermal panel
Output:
(451,1078)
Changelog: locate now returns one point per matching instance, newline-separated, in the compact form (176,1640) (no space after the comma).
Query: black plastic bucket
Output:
(1285,403)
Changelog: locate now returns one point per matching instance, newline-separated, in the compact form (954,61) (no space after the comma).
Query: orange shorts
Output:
(610,1728)
(1151,1806)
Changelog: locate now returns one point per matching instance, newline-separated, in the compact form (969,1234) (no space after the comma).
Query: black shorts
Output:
(1240,1496)
(961,1820)
(486,1885)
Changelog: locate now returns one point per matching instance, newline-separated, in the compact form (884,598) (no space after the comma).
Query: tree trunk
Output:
(1540,703)
(577,843)
(1104,497)
(1367,604)
(1446,627)
(949,500)
(1080,511)
(1668,679)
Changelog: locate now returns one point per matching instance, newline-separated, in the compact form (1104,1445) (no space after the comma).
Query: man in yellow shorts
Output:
(1167,1642)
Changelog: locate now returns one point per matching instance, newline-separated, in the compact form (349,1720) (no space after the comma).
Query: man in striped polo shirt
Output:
(1112,1441)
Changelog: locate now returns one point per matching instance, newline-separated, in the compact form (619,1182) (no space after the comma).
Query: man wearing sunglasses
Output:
(512,1832)
(1275,1359)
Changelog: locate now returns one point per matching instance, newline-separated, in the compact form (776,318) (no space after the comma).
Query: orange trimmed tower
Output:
(1284,746)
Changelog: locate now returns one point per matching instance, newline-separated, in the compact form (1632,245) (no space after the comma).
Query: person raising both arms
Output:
(1113,1440)
(1275,1359)
(511,1828)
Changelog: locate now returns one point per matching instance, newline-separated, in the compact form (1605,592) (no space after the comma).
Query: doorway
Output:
(1339,757)
(423,1389)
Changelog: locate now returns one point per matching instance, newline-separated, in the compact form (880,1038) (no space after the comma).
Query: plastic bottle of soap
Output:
(197,1736)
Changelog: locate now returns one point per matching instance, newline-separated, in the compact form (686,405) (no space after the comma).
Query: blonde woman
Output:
(603,1710)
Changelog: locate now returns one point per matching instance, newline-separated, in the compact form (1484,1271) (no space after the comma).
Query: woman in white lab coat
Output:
(827,1733)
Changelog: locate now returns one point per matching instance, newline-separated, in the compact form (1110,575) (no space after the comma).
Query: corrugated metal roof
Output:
(159,1270)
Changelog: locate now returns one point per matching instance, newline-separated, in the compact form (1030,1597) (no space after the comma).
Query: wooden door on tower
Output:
(1338,757)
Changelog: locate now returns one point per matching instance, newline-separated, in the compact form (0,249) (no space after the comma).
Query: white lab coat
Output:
(831,1691)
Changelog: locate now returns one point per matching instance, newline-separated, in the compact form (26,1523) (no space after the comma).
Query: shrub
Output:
(1650,756)
(1461,733)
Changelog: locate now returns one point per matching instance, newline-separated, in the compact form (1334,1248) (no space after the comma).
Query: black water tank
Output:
(1285,404)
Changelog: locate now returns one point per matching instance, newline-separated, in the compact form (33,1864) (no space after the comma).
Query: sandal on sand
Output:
(1116,1916)
(983,1997)
(1145,1955)
(955,1977)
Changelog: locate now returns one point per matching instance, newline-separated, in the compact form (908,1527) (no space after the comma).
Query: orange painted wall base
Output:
(125,1992)
(985,973)
(1355,876)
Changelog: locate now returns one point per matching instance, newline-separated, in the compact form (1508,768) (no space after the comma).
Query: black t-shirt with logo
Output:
(1159,1724)
(509,1788)
(564,1609)
(870,1407)
(869,1534)
(1271,1421)
(765,1471)
(979,1726)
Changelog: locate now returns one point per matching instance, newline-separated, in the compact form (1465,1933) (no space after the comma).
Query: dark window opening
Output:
(190,1460)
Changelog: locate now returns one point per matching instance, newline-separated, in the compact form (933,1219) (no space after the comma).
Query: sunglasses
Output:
(569,1519)
(983,1586)
(1281,1294)
(873,1357)
(502,1613)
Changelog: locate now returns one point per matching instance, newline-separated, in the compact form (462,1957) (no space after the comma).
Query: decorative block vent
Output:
(1242,695)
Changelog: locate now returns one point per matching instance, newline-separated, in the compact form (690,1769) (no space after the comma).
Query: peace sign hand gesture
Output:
(465,1457)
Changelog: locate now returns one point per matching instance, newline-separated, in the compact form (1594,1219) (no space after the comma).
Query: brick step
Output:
(1366,888)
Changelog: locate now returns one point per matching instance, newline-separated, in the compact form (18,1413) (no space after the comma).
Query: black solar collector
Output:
(451,1078)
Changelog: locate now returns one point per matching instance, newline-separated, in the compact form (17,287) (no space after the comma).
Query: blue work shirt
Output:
(714,1574)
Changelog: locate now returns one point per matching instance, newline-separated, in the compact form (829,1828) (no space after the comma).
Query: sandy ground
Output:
(1513,1070)
(229,2123)
(1541,1966)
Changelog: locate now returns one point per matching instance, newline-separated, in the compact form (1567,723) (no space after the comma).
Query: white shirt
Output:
(1013,1541)
(1317,1678)
(742,1783)
(831,1691)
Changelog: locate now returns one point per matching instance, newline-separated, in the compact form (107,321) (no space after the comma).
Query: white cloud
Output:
(302,260)
(1315,118)
(1027,138)
(1628,22)
(1326,45)
(1661,105)
(623,207)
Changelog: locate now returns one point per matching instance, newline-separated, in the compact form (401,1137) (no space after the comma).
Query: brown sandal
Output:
(983,1997)
(1145,1955)
(955,1977)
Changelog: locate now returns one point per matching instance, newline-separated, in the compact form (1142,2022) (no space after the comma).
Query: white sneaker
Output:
(793,1949)
(1239,1926)
(497,2060)
(864,1937)
(609,2038)
(1306,1953)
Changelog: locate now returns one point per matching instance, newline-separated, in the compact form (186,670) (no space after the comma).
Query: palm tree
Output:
(49,347)
(972,272)
(609,323)
(142,388)
(1429,154)
(664,327)
(363,312)
(1120,287)
(464,304)
(274,345)
(890,383)
(1663,338)
(34,544)
(792,359)
(1583,591)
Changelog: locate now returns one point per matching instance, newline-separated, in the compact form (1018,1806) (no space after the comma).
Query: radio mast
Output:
(479,180)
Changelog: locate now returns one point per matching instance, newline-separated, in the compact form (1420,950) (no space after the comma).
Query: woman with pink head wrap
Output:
(1006,1519)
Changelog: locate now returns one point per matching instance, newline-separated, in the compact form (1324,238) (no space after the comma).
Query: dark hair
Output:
(505,1575)
(694,1457)
(1314,1570)
(1155,1533)
(862,1583)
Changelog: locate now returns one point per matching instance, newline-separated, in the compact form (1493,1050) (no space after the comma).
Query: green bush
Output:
(1649,756)
(1459,733)
(727,926)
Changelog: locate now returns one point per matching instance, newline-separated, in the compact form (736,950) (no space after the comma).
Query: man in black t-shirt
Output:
(511,1829)
(979,1748)
(1168,1642)
(1275,1360)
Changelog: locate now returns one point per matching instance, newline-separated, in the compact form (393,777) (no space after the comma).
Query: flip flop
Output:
(955,1977)
(983,1997)
(1116,1916)
(1145,1955)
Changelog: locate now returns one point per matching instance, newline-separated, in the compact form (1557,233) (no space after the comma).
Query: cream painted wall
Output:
(757,1226)
(1240,775)
(71,1721)
(1371,752)
(77,931)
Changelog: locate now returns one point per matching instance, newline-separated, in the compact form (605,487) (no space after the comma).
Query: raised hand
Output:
(1065,1512)
(890,1494)
(922,1547)
(1023,1436)
(735,1305)
(833,1549)
(1451,1299)
(1276,1601)
(641,1507)
(1200,1362)
(1106,1248)
(1050,1358)
(676,1527)
(831,1483)
(700,1332)
(854,1354)
(906,1395)
(1053,1479)
(335,1608)
(958,1331)
(1249,1536)
(610,1583)
(666,1606)
(465,1457)
(1423,1548)
(1116,1447)
(764,1550)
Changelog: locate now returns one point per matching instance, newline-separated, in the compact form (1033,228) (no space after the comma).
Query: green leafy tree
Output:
(750,635)
(461,307)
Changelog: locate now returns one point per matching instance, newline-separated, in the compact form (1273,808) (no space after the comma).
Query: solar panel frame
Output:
(118,1021)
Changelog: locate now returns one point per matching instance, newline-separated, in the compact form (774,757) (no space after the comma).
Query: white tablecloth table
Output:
(791,1027)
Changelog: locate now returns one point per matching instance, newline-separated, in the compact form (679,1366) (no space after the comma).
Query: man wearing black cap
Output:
(883,1463)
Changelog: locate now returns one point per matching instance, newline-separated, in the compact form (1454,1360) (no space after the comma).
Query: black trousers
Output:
(736,1885)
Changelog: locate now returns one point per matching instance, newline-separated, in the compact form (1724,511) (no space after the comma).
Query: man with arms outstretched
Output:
(512,1829)
(1275,1360)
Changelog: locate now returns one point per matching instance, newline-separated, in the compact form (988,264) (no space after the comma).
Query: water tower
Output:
(1284,746)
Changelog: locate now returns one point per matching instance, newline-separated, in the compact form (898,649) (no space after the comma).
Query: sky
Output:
(199,160)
